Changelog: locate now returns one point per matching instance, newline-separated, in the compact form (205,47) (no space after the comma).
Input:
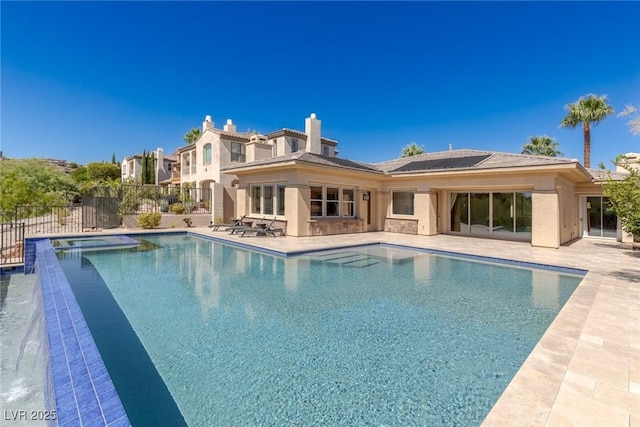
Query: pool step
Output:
(348,259)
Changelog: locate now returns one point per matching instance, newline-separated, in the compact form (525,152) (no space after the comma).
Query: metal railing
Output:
(12,243)
(49,219)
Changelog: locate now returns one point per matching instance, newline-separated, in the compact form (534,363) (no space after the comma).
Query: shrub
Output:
(149,220)
(177,208)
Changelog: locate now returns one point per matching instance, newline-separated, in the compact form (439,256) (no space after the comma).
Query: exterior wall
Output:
(131,168)
(569,211)
(258,151)
(297,209)
(545,219)
(555,199)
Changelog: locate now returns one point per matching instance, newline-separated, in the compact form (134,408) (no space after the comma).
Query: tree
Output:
(192,136)
(634,122)
(113,158)
(33,182)
(103,172)
(148,166)
(587,110)
(624,197)
(542,146)
(412,150)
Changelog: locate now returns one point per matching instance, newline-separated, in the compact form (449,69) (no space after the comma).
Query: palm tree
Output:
(192,136)
(542,146)
(412,150)
(585,111)
(634,123)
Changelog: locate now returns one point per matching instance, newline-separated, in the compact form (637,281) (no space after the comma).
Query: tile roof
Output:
(284,131)
(304,157)
(466,159)
(600,175)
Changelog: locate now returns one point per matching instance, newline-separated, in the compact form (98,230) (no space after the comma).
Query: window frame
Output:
(393,202)
(295,143)
(275,199)
(206,149)
(241,155)
(340,202)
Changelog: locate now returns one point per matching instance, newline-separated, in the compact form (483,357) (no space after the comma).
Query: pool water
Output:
(358,336)
(107,242)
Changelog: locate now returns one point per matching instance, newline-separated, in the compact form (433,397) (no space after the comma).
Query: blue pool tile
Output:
(90,416)
(71,346)
(66,411)
(82,385)
(115,415)
(87,402)
(111,404)
(120,422)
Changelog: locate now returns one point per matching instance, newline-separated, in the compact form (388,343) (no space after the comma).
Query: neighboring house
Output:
(543,200)
(131,167)
(202,163)
(627,162)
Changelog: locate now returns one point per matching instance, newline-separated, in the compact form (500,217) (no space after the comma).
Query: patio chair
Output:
(224,226)
(264,230)
(240,227)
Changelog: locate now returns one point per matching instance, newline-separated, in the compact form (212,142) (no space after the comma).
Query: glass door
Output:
(600,221)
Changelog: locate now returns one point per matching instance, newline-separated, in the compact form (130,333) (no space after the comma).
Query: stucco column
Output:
(217,202)
(297,209)
(242,202)
(425,210)
(545,219)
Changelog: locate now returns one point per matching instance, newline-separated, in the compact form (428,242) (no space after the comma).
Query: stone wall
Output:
(404,226)
(326,227)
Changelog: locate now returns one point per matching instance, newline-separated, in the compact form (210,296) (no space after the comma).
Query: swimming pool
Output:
(371,335)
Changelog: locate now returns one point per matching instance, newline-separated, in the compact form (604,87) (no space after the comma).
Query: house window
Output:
(256,207)
(332,201)
(267,199)
(169,167)
(280,201)
(274,152)
(237,152)
(206,154)
(402,203)
(294,145)
(348,202)
(325,150)
(316,201)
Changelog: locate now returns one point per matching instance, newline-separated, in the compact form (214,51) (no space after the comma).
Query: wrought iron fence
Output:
(101,207)
(12,243)
(49,219)
(137,199)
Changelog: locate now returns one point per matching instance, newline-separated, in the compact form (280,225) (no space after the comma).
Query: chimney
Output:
(450,147)
(312,130)
(229,126)
(159,165)
(207,124)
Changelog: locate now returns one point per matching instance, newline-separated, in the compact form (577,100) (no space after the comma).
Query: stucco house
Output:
(131,167)
(201,164)
(546,201)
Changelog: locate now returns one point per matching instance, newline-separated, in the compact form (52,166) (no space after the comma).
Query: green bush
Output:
(177,208)
(149,220)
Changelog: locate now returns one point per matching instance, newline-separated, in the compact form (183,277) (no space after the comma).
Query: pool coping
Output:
(480,258)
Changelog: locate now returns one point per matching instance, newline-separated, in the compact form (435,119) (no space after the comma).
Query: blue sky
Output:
(83,80)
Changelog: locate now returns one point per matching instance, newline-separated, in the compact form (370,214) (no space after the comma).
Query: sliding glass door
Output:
(501,215)
(599,220)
